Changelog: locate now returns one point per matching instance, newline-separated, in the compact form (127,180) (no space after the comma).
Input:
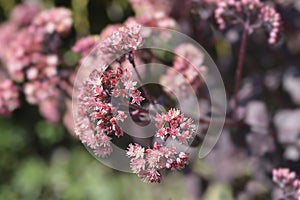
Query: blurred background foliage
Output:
(40,160)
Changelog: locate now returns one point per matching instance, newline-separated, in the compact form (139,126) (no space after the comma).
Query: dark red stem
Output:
(145,90)
(238,75)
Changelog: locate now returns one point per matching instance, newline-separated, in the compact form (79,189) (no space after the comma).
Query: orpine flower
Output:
(32,56)
(287,182)
(174,124)
(28,57)
(54,20)
(23,14)
(148,163)
(188,70)
(258,15)
(283,177)
(103,49)
(85,45)
(153,13)
(47,95)
(126,39)
(97,116)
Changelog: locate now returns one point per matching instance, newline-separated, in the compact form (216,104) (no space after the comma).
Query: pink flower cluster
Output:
(150,6)
(113,41)
(97,117)
(23,14)
(287,181)
(153,13)
(55,20)
(173,124)
(147,163)
(85,45)
(32,54)
(47,95)
(259,14)
(126,39)
(29,58)
(233,9)
(187,70)
(9,96)
(270,17)
(109,29)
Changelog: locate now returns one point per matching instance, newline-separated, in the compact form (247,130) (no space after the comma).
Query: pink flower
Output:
(287,182)
(273,19)
(23,14)
(147,163)
(144,7)
(127,38)
(261,15)
(187,71)
(174,124)
(9,96)
(136,97)
(135,151)
(137,165)
(31,56)
(154,158)
(159,119)
(152,176)
(108,30)
(97,113)
(161,133)
(103,151)
(54,20)
(283,176)
(28,51)
(153,13)
(85,45)
(8,30)
(50,110)
(121,116)
(172,115)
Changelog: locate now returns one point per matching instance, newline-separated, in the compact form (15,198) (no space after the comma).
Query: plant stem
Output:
(145,90)
(240,66)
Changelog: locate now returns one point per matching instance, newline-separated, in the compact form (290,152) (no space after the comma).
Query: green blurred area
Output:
(39,167)
(40,160)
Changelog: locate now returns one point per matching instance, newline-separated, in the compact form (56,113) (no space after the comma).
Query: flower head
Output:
(175,125)
(149,162)
(258,15)
(127,38)
(283,176)
(187,71)
(96,112)
(287,182)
